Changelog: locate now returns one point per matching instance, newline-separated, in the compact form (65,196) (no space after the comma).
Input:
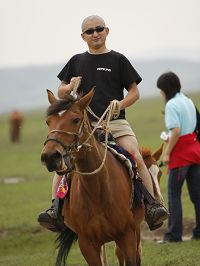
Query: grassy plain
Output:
(23,242)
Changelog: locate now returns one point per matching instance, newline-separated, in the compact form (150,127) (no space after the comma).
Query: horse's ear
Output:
(86,99)
(52,99)
(158,153)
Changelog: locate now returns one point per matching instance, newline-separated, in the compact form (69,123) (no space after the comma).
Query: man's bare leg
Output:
(130,144)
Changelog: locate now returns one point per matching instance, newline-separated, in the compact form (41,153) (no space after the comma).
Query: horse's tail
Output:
(65,241)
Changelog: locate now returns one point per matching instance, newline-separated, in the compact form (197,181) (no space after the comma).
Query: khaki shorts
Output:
(119,128)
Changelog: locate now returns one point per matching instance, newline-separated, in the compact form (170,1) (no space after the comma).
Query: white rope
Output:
(108,114)
(77,82)
(115,109)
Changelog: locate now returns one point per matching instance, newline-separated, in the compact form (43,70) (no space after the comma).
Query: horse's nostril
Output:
(54,156)
(53,160)
(57,155)
(43,158)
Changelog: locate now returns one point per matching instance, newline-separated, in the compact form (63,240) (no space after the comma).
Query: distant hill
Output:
(188,72)
(25,87)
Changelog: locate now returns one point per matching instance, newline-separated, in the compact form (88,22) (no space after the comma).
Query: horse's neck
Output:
(91,156)
(90,159)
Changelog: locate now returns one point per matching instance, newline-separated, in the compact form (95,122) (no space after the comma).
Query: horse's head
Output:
(151,161)
(65,120)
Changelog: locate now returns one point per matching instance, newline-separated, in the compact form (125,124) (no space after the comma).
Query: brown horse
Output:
(99,208)
(15,120)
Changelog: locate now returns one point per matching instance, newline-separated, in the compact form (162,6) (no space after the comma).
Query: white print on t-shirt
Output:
(104,69)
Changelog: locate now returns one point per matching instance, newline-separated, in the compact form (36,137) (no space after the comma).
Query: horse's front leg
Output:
(139,246)
(127,248)
(120,256)
(90,251)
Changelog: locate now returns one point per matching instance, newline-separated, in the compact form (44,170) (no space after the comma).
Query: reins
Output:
(108,114)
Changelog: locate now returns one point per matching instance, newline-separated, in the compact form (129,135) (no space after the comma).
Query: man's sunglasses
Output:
(97,29)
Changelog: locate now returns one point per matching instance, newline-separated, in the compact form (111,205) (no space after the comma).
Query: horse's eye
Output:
(76,120)
(47,121)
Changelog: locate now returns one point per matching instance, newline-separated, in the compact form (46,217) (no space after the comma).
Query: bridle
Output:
(69,149)
(74,146)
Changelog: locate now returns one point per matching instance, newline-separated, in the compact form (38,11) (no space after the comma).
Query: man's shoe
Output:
(52,218)
(155,215)
(47,219)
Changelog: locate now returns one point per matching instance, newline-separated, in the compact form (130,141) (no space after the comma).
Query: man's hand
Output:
(65,89)
(75,83)
(116,107)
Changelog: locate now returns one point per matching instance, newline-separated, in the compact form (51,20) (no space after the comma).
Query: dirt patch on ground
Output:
(188,225)
(146,234)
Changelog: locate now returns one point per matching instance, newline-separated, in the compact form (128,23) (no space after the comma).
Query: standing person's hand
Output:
(166,159)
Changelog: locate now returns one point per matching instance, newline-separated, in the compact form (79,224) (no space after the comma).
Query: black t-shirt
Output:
(110,73)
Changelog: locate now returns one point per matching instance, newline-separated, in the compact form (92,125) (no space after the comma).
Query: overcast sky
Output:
(48,31)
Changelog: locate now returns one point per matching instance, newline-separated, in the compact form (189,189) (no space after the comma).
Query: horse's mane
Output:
(61,105)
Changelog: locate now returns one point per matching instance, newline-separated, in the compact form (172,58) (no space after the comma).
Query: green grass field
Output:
(23,242)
